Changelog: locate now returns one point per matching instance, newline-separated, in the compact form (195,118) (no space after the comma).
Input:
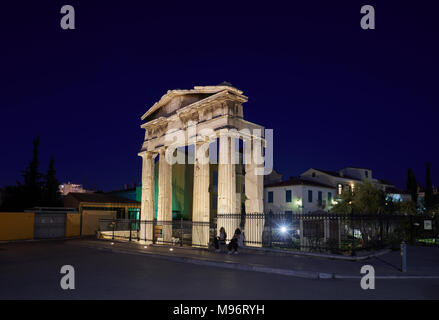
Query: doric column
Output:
(228,217)
(164,213)
(147,204)
(254,206)
(201,197)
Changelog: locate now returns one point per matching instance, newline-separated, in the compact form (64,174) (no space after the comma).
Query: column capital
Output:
(147,154)
(162,150)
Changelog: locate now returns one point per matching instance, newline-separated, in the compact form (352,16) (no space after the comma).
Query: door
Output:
(49,225)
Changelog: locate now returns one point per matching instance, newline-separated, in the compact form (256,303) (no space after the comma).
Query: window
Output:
(313,174)
(309,195)
(319,197)
(270,196)
(339,189)
(366,173)
(329,197)
(288,196)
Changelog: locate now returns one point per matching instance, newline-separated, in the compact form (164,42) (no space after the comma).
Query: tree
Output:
(412,186)
(51,196)
(407,207)
(367,199)
(31,189)
(428,199)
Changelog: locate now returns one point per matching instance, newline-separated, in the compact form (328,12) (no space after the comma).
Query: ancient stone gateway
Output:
(211,120)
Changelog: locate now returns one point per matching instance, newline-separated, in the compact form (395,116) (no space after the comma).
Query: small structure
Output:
(95,206)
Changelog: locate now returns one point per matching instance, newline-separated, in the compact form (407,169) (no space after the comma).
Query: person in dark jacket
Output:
(221,240)
(233,244)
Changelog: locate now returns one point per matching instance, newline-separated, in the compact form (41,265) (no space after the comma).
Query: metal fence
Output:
(331,233)
(181,232)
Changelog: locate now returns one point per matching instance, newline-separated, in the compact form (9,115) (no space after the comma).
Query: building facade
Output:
(348,178)
(318,190)
(298,196)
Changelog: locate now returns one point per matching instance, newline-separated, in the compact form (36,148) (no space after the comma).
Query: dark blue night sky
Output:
(335,95)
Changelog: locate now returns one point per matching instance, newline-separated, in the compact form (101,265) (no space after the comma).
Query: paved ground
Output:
(31,271)
(421,261)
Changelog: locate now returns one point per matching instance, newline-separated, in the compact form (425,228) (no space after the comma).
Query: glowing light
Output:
(283,229)
(171,249)
(112,243)
(145,247)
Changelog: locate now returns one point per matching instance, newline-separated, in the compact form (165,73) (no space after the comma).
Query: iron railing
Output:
(331,233)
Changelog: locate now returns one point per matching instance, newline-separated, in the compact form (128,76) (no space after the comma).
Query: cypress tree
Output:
(428,188)
(51,191)
(412,185)
(32,179)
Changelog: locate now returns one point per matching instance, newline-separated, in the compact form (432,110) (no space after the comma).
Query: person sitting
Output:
(221,240)
(235,242)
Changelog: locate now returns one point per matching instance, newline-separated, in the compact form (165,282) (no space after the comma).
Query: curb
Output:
(40,240)
(318,255)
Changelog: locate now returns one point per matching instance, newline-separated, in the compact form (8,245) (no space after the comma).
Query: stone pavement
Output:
(422,262)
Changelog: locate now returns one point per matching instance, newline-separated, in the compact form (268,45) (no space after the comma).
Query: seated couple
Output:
(237,241)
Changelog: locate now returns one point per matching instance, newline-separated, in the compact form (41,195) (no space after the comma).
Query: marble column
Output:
(228,216)
(164,212)
(147,204)
(254,206)
(201,197)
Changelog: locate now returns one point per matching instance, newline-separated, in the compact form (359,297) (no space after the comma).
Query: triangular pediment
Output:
(177,99)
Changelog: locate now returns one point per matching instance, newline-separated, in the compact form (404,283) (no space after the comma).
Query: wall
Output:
(16,225)
(358,173)
(90,220)
(73,221)
(279,204)
(309,207)
(127,194)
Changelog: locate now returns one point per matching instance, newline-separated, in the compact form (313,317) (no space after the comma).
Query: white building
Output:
(317,190)
(66,188)
(298,196)
(348,178)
